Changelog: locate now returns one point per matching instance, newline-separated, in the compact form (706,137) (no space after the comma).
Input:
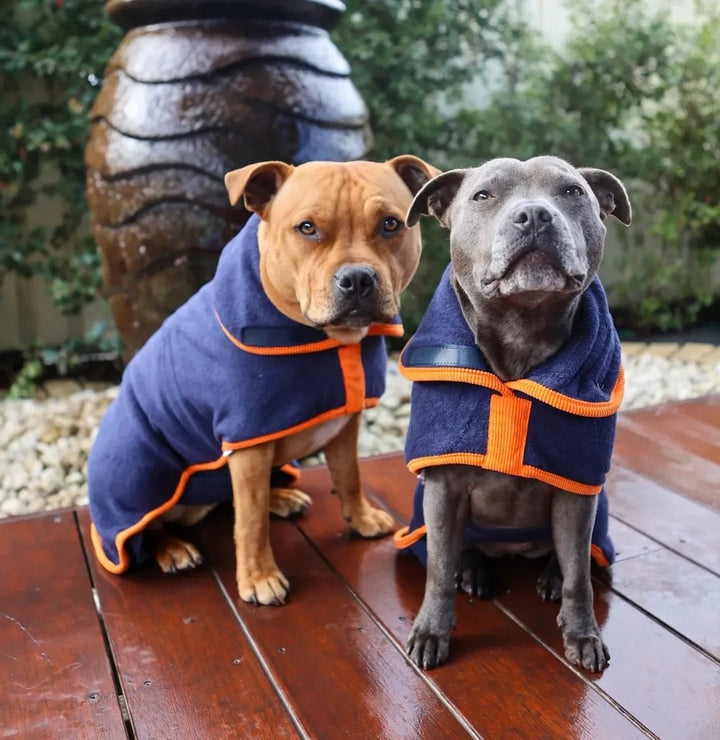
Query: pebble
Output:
(44,443)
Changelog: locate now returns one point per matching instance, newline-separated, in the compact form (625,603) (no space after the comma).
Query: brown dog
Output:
(331,259)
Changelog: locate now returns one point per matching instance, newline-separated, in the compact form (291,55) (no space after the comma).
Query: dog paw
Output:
(475,574)
(549,584)
(372,522)
(428,645)
(174,555)
(288,502)
(264,588)
(588,651)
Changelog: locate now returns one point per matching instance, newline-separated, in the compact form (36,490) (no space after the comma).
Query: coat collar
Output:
(584,377)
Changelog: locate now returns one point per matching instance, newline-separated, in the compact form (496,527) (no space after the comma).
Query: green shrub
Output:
(52,56)
(629,92)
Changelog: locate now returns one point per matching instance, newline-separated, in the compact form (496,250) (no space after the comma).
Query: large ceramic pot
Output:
(194,90)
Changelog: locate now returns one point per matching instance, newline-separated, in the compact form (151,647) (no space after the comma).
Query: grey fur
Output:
(526,239)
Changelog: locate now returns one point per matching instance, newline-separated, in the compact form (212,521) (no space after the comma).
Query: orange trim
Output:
(374,330)
(573,405)
(456,375)
(525,471)
(552,398)
(122,537)
(319,419)
(404,538)
(292,471)
(350,357)
(507,433)
(599,556)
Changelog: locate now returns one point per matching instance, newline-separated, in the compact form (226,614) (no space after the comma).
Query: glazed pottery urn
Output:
(194,90)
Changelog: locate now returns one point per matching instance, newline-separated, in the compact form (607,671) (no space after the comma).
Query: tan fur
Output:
(346,202)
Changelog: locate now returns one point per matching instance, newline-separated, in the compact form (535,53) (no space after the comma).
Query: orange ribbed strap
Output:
(484,379)
(350,356)
(418,464)
(507,433)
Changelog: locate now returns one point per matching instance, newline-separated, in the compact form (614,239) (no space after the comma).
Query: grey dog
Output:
(526,240)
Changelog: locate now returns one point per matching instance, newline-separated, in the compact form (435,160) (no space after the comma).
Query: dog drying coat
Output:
(557,425)
(226,371)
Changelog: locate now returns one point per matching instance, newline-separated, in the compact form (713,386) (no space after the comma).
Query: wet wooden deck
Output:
(84,654)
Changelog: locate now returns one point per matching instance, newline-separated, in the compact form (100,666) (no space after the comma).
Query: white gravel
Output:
(44,444)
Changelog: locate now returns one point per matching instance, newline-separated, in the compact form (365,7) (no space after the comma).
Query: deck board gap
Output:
(117,681)
(259,656)
(668,627)
(661,546)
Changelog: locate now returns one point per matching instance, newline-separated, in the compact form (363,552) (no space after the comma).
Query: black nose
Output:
(531,218)
(356,280)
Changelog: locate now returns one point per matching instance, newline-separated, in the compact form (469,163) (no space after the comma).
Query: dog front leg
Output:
(259,580)
(342,459)
(572,521)
(446,509)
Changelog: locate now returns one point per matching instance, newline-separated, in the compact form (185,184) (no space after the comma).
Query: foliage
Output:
(25,382)
(636,94)
(52,55)
(99,343)
(629,91)
(454,82)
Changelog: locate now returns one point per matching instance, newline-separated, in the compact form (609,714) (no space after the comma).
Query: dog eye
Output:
(481,195)
(307,228)
(574,190)
(390,225)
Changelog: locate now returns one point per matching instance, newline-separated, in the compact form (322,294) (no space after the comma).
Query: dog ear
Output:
(610,192)
(435,197)
(413,171)
(257,183)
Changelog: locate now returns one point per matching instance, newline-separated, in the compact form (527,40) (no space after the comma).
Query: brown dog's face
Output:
(335,252)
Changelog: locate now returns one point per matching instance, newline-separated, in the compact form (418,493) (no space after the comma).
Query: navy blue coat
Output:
(226,371)
(557,425)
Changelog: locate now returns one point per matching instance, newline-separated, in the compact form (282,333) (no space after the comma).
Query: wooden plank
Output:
(502,681)
(186,669)
(676,592)
(55,674)
(629,543)
(669,465)
(666,684)
(705,410)
(682,525)
(671,426)
(658,678)
(338,668)
(668,586)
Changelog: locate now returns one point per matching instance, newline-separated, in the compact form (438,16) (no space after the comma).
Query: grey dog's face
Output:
(526,234)
(524,231)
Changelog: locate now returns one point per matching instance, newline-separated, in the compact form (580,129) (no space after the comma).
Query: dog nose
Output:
(356,280)
(531,217)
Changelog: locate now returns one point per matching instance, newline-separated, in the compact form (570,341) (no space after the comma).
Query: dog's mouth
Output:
(357,317)
(535,272)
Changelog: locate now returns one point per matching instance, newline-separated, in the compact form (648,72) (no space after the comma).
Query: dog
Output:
(518,379)
(272,360)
